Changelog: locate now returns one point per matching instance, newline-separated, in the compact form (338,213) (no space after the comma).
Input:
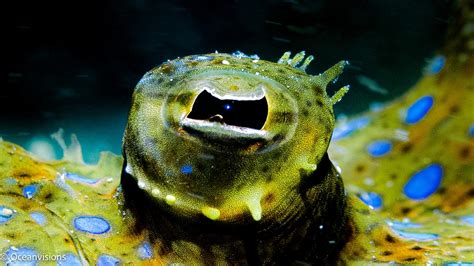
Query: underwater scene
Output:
(279,132)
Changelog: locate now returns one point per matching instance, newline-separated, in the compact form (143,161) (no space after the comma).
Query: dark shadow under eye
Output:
(251,114)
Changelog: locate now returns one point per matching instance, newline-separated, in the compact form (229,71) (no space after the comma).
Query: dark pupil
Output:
(251,114)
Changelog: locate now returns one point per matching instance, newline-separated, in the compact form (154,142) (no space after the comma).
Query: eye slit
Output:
(250,114)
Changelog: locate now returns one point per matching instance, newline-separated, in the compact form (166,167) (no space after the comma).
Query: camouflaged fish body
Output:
(291,209)
(256,188)
(200,191)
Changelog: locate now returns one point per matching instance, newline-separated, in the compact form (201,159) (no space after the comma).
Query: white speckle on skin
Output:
(369,181)
(170,199)
(449,221)
(128,169)
(141,184)
(225,62)
(321,227)
(7,212)
(402,135)
(155,192)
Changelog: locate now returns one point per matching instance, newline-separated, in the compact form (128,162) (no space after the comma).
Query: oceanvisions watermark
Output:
(15,257)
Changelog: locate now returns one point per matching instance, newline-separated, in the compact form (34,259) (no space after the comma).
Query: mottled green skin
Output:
(255,208)
(227,172)
(277,183)
(287,231)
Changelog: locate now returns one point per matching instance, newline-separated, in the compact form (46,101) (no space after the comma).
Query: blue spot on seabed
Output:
(69,260)
(471,130)
(30,190)
(402,225)
(468,219)
(372,199)
(91,224)
(419,109)
(10,181)
(424,182)
(24,252)
(38,217)
(379,148)
(107,260)
(145,251)
(416,236)
(348,128)
(186,169)
(6,214)
(81,179)
(436,65)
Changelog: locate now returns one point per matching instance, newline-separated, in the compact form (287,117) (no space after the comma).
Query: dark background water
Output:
(74,64)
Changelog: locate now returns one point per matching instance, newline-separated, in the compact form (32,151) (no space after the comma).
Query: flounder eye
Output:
(242,113)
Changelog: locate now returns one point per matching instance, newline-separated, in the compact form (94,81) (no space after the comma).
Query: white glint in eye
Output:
(257,94)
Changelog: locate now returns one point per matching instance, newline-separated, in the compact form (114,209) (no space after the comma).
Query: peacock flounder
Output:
(202,191)
(225,163)
(241,186)
(228,172)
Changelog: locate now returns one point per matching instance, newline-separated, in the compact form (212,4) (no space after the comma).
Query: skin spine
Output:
(211,192)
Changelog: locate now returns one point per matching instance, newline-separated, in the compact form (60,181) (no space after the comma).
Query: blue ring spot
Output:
(5,214)
(461,263)
(186,169)
(372,199)
(10,181)
(179,65)
(81,179)
(416,236)
(468,219)
(145,251)
(436,65)
(91,224)
(69,260)
(107,260)
(350,127)
(30,190)
(471,130)
(25,252)
(419,109)
(424,182)
(379,148)
(38,217)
